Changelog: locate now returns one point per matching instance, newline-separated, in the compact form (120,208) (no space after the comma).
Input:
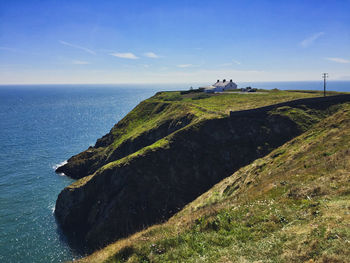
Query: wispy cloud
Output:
(339,60)
(230,63)
(127,55)
(8,49)
(185,65)
(236,62)
(14,50)
(87,50)
(310,40)
(80,62)
(150,55)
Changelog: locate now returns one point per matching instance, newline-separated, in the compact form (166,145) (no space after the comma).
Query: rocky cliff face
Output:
(152,184)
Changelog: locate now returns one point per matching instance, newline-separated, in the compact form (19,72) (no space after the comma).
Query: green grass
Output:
(170,107)
(152,112)
(225,102)
(291,206)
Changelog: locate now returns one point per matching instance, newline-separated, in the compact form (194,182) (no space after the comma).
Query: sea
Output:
(41,126)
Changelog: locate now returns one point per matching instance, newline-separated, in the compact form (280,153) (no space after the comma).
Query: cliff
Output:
(168,151)
(290,206)
(146,124)
(160,116)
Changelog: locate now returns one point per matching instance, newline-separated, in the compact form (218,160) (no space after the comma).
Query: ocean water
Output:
(42,126)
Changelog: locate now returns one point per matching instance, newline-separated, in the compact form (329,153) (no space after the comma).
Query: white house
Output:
(225,85)
(220,86)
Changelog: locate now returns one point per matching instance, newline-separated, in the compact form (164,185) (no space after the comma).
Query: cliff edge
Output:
(289,206)
(169,150)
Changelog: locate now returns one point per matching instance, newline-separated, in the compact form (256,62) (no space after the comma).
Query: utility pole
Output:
(324,76)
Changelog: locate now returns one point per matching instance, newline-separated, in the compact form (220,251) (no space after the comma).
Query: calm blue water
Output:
(41,126)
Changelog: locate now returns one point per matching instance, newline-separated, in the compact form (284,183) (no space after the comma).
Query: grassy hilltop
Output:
(274,165)
(163,114)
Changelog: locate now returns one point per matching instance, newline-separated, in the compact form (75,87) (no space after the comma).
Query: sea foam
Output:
(59,165)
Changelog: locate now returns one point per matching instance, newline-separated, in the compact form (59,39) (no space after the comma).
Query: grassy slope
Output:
(165,106)
(290,206)
(171,105)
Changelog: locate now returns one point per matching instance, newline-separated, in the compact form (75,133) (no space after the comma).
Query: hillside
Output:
(161,115)
(293,205)
(169,150)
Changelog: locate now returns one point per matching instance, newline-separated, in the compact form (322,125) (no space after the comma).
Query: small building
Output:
(248,89)
(208,89)
(225,85)
(221,86)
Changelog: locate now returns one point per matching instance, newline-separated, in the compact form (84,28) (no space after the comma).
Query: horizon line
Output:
(162,83)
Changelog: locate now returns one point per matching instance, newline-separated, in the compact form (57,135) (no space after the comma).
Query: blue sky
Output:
(172,41)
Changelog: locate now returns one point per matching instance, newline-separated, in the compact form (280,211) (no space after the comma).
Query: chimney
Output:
(218,80)
(230,80)
(224,80)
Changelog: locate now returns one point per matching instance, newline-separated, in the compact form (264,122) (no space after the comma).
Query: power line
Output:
(324,76)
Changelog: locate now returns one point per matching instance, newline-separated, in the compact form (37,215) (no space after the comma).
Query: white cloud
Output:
(184,65)
(310,40)
(339,60)
(87,50)
(124,55)
(80,62)
(236,62)
(150,55)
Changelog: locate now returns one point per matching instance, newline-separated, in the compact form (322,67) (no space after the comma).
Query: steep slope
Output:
(291,206)
(159,116)
(147,123)
(153,183)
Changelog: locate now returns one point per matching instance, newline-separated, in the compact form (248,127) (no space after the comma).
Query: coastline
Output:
(70,212)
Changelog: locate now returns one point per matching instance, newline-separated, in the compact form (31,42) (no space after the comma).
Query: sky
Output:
(105,41)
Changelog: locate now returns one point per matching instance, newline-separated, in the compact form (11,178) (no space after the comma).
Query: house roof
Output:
(222,84)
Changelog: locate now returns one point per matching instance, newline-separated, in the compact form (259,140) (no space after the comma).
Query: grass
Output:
(225,102)
(170,105)
(203,106)
(293,205)
(176,109)
(152,112)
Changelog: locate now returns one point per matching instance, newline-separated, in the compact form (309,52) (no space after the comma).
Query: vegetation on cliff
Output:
(161,115)
(290,206)
(169,150)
